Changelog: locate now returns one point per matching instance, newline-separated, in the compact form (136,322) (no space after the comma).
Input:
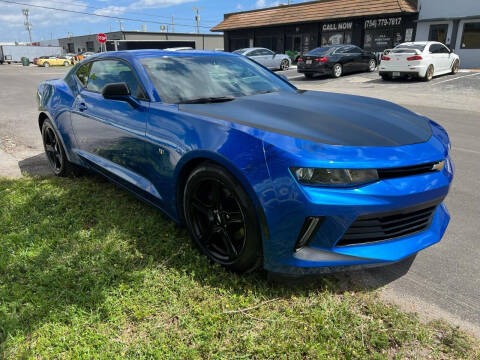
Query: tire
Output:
(372,65)
(284,65)
(46,64)
(337,70)
(55,152)
(429,74)
(455,66)
(66,63)
(309,75)
(221,219)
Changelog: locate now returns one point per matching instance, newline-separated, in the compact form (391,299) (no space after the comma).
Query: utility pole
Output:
(120,22)
(173,25)
(27,23)
(197,18)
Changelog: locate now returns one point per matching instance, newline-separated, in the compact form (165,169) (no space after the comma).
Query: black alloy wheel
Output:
(221,218)
(54,150)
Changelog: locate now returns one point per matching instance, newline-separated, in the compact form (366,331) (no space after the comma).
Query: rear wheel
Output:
(55,152)
(46,64)
(308,75)
(372,65)
(337,70)
(284,65)
(429,73)
(66,63)
(455,67)
(221,218)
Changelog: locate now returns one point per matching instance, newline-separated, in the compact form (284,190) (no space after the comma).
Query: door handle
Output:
(82,107)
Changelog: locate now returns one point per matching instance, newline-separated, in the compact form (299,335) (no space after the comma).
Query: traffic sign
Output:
(102,38)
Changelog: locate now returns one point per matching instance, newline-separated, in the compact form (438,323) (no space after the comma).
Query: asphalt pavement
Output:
(443,281)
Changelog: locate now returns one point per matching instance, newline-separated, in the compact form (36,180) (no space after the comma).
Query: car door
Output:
(259,56)
(269,59)
(439,58)
(446,57)
(356,57)
(110,134)
(346,59)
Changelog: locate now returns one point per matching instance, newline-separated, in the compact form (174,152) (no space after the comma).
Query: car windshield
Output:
(319,51)
(182,79)
(402,48)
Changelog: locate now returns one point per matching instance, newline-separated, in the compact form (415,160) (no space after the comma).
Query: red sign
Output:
(102,38)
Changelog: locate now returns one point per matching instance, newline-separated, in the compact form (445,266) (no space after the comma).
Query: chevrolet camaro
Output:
(260,172)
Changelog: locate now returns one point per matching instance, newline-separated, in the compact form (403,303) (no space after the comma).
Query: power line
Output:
(130,12)
(98,15)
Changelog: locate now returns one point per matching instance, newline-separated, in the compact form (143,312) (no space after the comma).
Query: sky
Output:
(48,24)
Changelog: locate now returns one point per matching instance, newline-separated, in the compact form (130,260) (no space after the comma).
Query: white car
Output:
(423,59)
(267,58)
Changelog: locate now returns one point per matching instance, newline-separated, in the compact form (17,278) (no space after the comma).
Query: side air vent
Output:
(309,228)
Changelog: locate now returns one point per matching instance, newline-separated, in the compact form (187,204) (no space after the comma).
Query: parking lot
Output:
(443,280)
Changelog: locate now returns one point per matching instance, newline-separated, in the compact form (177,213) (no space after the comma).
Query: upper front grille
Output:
(390,173)
(380,227)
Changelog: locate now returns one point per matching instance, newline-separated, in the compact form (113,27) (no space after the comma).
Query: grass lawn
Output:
(88,271)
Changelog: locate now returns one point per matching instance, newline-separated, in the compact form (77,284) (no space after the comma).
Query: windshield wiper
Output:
(208,100)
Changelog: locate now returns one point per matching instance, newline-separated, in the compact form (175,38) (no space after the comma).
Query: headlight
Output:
(335,177)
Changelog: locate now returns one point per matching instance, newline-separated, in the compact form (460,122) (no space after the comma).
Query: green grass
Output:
(88,271)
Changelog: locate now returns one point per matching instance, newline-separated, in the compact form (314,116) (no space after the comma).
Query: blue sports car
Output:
(261,173)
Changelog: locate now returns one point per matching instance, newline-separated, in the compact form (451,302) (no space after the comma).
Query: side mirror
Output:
(120,92)
(115,91)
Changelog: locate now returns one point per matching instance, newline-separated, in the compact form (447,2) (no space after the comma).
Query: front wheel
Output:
(221,218)
(337,70)
(46,64)
(66,63)
(372,65)
(55,152)
(455,67)
(284,65)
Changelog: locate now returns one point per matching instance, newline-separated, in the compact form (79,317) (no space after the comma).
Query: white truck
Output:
(14,53)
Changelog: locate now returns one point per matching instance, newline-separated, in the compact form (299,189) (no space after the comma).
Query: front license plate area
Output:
(396,74)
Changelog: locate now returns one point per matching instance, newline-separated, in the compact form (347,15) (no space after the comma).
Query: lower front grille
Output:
(386,226)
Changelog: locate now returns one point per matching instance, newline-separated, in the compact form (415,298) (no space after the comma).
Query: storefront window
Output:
(337,33)
(438,33)
(471,36)
(236,44)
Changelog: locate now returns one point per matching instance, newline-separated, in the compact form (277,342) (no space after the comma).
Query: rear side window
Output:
(82,73)
(319,51)
(105,72)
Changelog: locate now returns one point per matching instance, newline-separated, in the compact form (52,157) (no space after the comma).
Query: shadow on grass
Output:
(68,243)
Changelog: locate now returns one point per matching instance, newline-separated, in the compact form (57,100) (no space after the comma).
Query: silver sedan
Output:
(267,58)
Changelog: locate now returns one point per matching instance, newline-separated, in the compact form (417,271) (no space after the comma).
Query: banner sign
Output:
(338,26)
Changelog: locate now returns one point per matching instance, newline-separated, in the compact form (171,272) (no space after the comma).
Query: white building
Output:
(455,23)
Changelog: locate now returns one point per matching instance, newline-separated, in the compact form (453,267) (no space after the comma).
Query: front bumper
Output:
(340,207)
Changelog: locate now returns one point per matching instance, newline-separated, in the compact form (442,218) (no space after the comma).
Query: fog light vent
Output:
(309,228)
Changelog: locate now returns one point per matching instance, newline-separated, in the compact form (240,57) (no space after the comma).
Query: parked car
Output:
(35,60)
(179,48)
(422,59)
(53,61)
(260,172)
(267,58)
(83,55)
(336,60)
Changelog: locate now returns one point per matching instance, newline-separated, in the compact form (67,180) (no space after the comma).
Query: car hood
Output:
(329,118)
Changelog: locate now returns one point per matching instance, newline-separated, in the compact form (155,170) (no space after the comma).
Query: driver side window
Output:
(105,72)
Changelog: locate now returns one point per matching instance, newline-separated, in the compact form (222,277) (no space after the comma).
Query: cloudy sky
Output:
(48,23)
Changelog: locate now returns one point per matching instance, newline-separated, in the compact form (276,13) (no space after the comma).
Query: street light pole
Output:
(27,23)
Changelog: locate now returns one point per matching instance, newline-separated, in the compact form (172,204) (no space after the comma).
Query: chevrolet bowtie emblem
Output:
(438,166)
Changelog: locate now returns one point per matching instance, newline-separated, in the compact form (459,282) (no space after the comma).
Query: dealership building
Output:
(371,24)
(77,44)
(456,24)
